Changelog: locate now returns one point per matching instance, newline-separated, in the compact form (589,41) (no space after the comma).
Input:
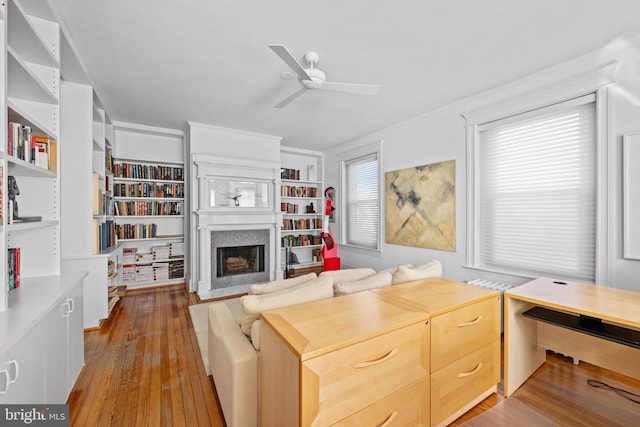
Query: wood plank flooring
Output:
(143,368)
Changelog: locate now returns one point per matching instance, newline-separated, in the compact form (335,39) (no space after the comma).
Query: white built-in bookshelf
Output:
(149,205)
(45,310)
(301,204)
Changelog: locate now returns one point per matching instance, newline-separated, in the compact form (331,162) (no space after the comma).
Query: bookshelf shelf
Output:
(143,184)
(301,231)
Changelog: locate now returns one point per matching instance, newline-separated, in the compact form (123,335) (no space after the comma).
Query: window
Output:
(535,205)
(361,189)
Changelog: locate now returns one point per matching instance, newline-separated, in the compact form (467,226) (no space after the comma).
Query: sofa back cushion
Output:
(432,268)
(348,274)
(253,305)
(371,282)
(278,285)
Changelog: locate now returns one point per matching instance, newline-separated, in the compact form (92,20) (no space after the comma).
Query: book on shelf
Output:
(13,268)
(104,235)
(142,171)
(112,302)
(128,274)
(292,174)
(176,249)
(136,231)
(129,255)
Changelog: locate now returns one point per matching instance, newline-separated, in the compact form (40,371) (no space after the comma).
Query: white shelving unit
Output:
(155,204)
(45,311)
(301,202)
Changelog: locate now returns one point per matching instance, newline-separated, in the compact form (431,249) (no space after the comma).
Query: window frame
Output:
(596,81)
(370,149)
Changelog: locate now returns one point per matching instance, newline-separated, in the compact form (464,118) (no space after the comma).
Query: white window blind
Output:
(537,191)
(362,201)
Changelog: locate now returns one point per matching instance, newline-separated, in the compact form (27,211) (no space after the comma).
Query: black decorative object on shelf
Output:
(14,190)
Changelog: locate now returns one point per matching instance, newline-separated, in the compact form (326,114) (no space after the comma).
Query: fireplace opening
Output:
(234,260)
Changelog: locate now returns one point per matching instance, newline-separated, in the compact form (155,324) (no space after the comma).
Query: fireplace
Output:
(234,260)
(238,257)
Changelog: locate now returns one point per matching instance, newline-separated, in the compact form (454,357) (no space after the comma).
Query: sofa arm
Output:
(234,367)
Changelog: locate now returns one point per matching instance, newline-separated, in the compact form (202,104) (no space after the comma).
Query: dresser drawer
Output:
(337,384)
(459,332)
(408,407)
(457,384)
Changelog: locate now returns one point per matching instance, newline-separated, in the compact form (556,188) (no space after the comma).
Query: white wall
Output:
(441,135)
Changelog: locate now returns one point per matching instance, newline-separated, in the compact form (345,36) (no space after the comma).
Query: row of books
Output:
(158,253)
(301,240)
(136,231)
(108,159)
(22,144)
(302,224)
(144,208)
(13,268)
(145,189)
(290,173)
(105,235)
(291,191)
(291,208)
(140,171)
(154,272)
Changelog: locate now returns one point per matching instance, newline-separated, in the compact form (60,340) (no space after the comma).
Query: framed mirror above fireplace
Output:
(238,194)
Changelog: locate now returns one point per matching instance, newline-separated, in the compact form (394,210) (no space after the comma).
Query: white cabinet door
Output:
(75,335)
(56,353)
(24,365)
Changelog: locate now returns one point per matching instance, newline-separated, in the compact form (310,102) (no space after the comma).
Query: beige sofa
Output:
(234,327)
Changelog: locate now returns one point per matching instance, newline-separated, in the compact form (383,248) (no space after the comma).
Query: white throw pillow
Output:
(372,282)
(253,305)
(277,285)
(431,269)
(393,269)
(348,274)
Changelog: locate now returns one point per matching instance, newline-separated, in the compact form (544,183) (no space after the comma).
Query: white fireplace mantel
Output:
(210,219)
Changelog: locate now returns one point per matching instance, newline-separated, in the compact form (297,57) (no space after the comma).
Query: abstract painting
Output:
(421,206)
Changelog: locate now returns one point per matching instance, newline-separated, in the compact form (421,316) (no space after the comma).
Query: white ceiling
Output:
(165,62)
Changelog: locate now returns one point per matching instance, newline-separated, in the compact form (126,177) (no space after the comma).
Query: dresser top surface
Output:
(326,325)
(436,295)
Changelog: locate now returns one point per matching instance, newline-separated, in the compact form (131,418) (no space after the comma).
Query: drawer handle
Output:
(466,374)
(6,381)
(389,419)
(16,370)
(374,362)
(473,322)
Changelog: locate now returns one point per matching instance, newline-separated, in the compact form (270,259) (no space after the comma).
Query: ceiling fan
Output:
(312,78)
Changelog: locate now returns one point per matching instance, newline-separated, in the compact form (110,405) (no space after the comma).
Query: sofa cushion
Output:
(394,269)
(371,282)
(277,285)
(253,305)
(432,268)
(348,274)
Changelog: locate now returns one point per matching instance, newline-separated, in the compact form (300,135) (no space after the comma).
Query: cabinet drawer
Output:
(408,407)
(454,386)
(459,332)
(337,384)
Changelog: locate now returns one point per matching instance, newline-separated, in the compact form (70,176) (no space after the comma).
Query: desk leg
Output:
(522,355)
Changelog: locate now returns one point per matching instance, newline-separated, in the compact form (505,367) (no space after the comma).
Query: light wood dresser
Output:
(465,342)
(415,354)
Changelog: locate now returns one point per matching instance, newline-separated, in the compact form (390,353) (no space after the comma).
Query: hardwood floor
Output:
(143,368)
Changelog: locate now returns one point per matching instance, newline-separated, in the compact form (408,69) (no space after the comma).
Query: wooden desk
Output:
(526,339)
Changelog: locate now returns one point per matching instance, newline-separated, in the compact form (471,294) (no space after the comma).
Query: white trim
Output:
(595,80)
(344,156)
(538,97)
(151,130)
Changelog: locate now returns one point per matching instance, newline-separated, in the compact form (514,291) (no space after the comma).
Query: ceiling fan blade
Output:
(287,100)
(351,88)
(286,56)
